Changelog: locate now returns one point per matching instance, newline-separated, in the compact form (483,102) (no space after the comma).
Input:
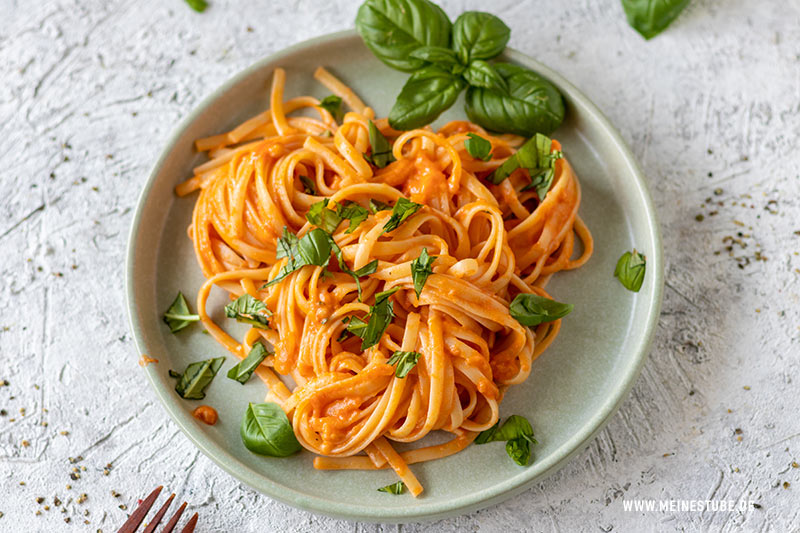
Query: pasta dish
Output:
(381,266)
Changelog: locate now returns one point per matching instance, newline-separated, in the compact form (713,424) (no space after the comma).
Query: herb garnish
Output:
(322,217)
(197,5)
(532,309)
(266,430)
(630,270)
(405,361)
(178,315)
(242,371)
(249,310)
(192,383)
(381,154)
(403,209)
(414,36)
(380,316)
(478,147)
(651,17)
(354,213)
(537,157)
(314,248)
(421,269)
(333,105)
(377,205)
(308,186)
(394,488)
(518,434)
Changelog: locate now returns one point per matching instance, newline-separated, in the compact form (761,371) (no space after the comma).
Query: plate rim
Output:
(497,493)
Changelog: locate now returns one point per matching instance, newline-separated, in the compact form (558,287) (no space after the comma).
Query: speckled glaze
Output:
(574,387)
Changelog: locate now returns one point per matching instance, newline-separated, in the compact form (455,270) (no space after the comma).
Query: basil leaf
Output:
(322,217)
(421,269)
(377,205)
(380,316)
(333,105)
(393,29)
(426,94)
(532,309)
(478,35)
(518,434)
(178,315)
(308,186)
(197,376)
(381,153)
(266,430)
(354,213)
(287,245)
(479,73)
(403,209)
(249,310)
(173,374)
(536,156)
(394,488)
(651,17)
(630,270)
(197,5)
(356,326)
(314,248)
(532,104)
(242,371)
(369,268)
(405,361)
(438,55)
(478,147)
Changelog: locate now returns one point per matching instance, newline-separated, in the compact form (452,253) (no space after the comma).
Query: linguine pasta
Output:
(491,242)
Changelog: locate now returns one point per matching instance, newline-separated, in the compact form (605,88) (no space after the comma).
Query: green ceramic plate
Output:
(575,387)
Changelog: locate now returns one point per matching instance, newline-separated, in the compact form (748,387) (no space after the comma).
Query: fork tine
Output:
(159,515)
(132,524)
(174,520)
(189,527)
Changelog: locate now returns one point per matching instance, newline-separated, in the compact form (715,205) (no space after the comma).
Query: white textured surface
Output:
(90,91)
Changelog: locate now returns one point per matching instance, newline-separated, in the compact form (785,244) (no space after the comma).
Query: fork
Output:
(135,520)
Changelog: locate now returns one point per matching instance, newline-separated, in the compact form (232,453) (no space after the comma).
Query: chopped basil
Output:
(535,156)
(314,248)
(178,315)
(377,205)
(403,209)
(266,430)
(630,270)
(197,5)
(381,154)
(192,383)
(322,217)
(249,310)
(173,374)
(380,316)
(532,309)
(518,434)
(421,269)
(245,368)
(478,147)
(354,213)
(394,488)
(333,105)
(308,185)
(405,361)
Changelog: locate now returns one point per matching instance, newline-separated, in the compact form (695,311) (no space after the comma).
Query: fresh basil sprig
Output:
(394,488)
(178,315)
(242,371)
(249,310)
(478,147)
(266,430)
(380,316)
(403,209)
(536,156)
(381,153)
(421,269)
(193,381)
(377,205)
(532,309)
(518,435)
(630,270)
(314,248)
(414,36)
(322,217)
(404,362)
(333,105)
(651,17)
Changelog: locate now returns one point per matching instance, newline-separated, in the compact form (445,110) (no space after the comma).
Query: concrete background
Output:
(90,91)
